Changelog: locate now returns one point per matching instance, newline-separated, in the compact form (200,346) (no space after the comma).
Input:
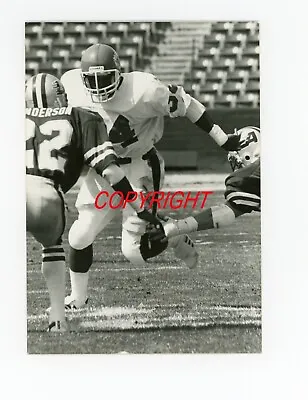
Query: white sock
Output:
(79,284)
(53,270)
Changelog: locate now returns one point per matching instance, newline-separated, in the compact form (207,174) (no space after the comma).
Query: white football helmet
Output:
(250,148)
(45,90)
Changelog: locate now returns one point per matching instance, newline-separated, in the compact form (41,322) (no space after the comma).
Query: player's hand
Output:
(155,224)
(156,233)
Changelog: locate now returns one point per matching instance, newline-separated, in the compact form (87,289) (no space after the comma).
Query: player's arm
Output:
(100,155)
(197,113)
(174,102)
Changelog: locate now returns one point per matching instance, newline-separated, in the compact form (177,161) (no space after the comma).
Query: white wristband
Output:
(218,135)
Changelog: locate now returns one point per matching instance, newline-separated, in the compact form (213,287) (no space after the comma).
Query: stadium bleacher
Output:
(217,61)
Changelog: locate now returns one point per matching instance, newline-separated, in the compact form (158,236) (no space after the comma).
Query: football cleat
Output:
(57,326)
(185,250)
(72,304)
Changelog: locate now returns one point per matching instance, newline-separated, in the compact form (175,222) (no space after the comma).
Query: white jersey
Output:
(134,117)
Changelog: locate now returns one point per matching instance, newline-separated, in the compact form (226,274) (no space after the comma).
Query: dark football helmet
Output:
(101,72)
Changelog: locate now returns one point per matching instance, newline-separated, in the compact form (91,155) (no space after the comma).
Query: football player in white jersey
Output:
(242,191)
(133,106)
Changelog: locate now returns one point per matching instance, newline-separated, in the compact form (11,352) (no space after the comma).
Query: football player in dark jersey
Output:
(60,140)
(242,191)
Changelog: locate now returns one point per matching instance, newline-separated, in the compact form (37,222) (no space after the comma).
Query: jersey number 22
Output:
(52,137)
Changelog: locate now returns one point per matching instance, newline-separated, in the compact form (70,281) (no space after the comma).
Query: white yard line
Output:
(147,268)
(114,313)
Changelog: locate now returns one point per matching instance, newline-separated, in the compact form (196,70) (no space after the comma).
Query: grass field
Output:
(163,307)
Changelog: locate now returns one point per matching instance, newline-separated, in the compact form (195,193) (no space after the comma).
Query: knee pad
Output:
(80,236)
(131,251)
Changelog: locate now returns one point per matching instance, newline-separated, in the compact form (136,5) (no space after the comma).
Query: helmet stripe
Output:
(34,91)
(43,91)
(39,90)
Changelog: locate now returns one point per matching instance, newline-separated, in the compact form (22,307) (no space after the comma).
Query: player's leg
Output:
(82,234)
(136,245)
(242,196)
(46,221)
(135,242)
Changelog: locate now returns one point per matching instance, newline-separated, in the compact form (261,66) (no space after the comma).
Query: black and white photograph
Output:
(143,203)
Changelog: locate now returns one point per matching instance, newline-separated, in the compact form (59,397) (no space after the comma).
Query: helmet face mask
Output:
(100,72)
(102,86)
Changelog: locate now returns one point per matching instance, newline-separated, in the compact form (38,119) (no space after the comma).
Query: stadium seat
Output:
(254,76)
(225,100)
(67,43)
(253,40)
(225,64)
(251,51)
(60,55)
(70,65)
(239,75)
(253,87)
(125,65)
(202,65)
(230,52)
(245,27)
(206,99)
(235,40)
(247,63)
(211,88)
(33,30)
(216,76)
(41,44)
(209,53)
(74,29)
(192,88)
(130,56)
(96,29)
(36,55)
(32,67)
(142,29)
(196,76)
(215,40)
(53,30)
(75,55)
(117,29)
(51,67)
(133,44)
(114,42)
(247,100)
(233,88)
(86,42)
(222,27)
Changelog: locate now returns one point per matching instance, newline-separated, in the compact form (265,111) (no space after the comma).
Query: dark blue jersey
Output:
(60,141)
